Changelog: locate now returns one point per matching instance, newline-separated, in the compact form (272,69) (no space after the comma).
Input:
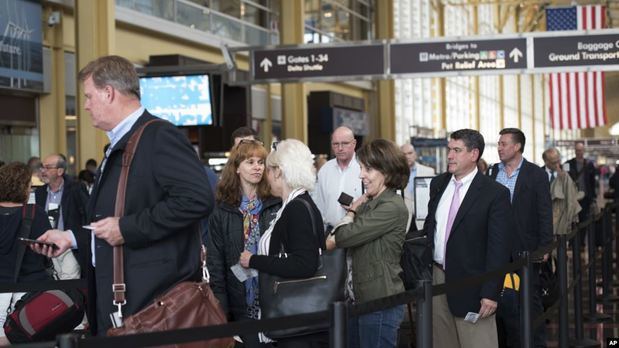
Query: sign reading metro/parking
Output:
(458,56)
(297,63)
(576,50)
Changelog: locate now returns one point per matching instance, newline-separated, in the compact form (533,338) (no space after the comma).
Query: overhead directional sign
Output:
(475,55)
(450,56)
(297,63)
(576,50)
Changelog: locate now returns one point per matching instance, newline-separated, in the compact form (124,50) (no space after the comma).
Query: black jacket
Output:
(225,245)
(479,241)
(589,172)
(531,207)
(33,266)
(294,232)
(167,196)
(73,203)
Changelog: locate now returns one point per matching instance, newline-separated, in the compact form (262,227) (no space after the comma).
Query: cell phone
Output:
(34,241)
(345,199)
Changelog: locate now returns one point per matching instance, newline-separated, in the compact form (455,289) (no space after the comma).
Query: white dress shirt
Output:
(442,212)
(332,181)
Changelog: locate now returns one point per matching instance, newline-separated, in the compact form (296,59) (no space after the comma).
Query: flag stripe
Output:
(577,100)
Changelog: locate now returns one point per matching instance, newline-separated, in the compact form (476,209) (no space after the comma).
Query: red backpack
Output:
(41,315)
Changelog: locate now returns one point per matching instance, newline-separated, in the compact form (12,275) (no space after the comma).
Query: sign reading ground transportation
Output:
(448,56)
(296,63)
(576,50)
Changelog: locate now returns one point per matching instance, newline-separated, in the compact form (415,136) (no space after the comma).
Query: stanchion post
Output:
(593,315)
(339,325)
(525,299)
(607,251)
(69,340)
(562,269)
(424,315)
(577,276)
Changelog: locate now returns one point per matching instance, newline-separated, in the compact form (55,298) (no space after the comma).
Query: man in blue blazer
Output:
(469,222)
(532,211)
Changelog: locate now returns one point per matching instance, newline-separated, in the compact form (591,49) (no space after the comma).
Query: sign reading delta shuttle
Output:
(21,50)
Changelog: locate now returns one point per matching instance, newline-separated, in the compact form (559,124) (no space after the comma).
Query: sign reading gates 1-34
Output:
(295,63)
(576,50)
(458,56)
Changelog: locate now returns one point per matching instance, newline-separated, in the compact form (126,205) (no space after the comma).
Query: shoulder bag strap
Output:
(24,232)
(118,286)
(311,213)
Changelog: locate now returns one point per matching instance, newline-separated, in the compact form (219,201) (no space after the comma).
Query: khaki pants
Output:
(452,332)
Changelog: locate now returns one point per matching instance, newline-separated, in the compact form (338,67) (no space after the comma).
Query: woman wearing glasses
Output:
(373,231)
(291,174)
(244,210)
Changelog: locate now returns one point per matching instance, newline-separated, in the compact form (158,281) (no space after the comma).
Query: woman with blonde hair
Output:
(291,174)
(244,211)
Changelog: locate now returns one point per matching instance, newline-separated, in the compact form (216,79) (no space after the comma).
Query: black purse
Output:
(416,259)
(281,297)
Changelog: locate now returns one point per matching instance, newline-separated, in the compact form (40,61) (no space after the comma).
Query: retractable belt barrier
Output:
(325,317)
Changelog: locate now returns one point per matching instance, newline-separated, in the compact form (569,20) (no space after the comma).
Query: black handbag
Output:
(416,259)
(281,297)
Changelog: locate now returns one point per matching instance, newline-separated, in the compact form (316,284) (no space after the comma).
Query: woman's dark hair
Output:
(384,156)
(229,186)
(15,182)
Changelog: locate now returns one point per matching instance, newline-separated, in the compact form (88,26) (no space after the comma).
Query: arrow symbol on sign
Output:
(515,54)
(266,64)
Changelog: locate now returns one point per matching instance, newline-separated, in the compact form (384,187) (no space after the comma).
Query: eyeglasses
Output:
(341,144)
(48,167)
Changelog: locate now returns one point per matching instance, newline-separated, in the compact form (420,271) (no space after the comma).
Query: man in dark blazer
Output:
(167,195)
(469,223)
(583,172)
(68,210)
(532,211)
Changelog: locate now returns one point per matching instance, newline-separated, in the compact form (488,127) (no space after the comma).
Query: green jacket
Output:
(374,239)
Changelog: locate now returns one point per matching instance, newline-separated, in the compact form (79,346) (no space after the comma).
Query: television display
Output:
(184,100)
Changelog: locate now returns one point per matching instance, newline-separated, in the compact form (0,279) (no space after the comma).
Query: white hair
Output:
(296,163)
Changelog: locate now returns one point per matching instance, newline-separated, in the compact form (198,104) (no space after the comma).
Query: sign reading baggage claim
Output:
(577,50)
(296,63)
(458,56)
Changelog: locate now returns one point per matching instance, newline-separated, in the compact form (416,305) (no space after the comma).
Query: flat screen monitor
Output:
(184,100)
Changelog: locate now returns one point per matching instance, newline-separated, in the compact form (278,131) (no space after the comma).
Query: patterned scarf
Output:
(251,235)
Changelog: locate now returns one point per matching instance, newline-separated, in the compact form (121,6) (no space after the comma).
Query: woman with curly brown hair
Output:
(14,191)
(244,211)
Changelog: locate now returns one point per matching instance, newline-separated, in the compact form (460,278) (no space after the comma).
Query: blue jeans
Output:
(375,330)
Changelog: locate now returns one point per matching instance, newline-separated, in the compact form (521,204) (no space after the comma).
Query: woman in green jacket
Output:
(373,231)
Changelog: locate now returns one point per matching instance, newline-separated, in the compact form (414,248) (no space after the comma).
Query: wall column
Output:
(94,32)
(386,88)
(52,106)
(294,101)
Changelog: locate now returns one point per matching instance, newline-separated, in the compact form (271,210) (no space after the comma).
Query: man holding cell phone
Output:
(167,195)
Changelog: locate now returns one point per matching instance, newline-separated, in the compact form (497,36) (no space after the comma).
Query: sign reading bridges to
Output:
(430,57)
(526,53)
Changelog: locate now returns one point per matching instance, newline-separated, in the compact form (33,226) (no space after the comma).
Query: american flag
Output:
(577,99)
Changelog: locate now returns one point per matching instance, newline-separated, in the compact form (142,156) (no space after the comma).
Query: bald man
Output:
(61,197)
(340,174)
(583,172)
(417,170)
